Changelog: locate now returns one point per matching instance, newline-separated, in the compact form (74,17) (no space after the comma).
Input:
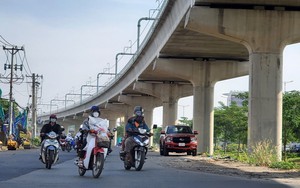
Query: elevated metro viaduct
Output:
(192,45)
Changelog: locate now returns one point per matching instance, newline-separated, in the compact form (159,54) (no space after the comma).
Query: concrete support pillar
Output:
(71,121)
(149,120)
(147,102)
(170,105)
(264,33)
(265,104)
(203,75)
(112,123)
(114,111)
(204,117)
(169,95)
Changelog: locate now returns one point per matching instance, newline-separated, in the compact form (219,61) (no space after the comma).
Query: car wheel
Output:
(165,151)
(194,153)
(161,151)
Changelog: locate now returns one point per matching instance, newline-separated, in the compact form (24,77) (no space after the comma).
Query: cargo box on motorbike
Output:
(103,144)
(102,141)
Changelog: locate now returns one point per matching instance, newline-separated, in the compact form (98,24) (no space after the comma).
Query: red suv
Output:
(179,139)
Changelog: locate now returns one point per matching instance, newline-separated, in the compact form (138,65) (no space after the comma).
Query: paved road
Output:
(31,173)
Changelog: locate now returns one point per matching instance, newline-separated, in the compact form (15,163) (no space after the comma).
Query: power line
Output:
(25,57)
(6,43)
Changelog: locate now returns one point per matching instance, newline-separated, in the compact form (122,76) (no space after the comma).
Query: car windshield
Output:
(179,129)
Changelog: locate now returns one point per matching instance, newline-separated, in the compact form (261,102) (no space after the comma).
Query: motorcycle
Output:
(139,151)
(50,149)
(96,152)
(69,144)
(63,144)
(111,138)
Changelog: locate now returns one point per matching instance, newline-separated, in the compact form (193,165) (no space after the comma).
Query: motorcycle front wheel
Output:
(127,164)
(81,171)
(49,159)
(98,165)
(139,160)
(68,147)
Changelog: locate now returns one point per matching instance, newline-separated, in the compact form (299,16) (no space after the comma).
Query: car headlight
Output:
(169,139)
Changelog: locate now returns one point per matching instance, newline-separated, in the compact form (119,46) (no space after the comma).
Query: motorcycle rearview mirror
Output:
(154,126)
(114,129)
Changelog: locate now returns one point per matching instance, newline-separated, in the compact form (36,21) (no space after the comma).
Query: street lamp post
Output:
(183,107)
(286,82)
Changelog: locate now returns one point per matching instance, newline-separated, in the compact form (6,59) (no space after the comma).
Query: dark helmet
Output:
(95,109)
(52,116)
(138,110)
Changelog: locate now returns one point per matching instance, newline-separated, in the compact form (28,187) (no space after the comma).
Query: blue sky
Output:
(70,41)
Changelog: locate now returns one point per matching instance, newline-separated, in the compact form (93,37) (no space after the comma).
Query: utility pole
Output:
(35,84)
(12,50)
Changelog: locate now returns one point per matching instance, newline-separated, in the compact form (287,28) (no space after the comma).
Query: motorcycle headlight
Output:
(137,140)
(146,141)
(142,131)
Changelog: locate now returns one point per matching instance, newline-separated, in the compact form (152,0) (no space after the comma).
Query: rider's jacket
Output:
(47,128)
(92,123)
(134,123)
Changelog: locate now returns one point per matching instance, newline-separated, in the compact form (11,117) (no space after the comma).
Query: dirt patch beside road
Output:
(229,168)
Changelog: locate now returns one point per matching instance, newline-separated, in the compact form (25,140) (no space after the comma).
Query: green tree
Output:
(120,131)
(290,118)
(230,124)
(244,96)
(156,135)
(186,121)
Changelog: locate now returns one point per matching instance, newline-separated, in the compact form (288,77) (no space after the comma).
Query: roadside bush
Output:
(36,141)
(232,147)
(284,165)
(263,154)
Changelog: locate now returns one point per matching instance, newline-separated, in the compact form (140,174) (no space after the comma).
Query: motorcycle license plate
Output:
(181,144)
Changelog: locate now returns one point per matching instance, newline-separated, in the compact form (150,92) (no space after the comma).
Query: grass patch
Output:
(263,154)
(286,165)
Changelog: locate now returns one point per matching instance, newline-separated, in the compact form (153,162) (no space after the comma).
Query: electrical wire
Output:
(25,57)
(6,43)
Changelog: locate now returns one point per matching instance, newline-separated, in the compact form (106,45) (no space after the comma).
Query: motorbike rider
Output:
(69,137)
(48,127)
(79,140)
(89,123)
(111,137)
(133,123)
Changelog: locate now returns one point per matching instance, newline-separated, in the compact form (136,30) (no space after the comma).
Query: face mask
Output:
(53,120)
(95,114)
(138,113)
